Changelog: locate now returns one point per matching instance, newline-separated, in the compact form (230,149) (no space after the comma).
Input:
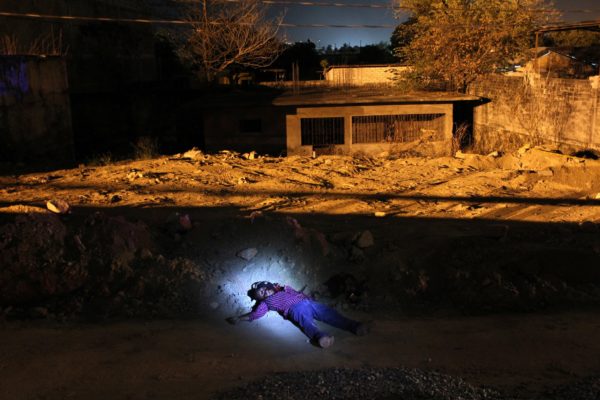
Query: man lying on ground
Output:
(300,309)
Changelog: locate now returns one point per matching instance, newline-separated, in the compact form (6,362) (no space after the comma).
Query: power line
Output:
(302,3)
(93,19)
(318,4)
(169,22)
(184,22)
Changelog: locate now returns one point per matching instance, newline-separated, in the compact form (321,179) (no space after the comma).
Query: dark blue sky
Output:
(368,16)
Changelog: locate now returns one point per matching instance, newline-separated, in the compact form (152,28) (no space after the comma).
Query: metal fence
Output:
(397,128)
(322,131)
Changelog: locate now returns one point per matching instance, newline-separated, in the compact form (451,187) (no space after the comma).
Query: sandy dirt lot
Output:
(483,267)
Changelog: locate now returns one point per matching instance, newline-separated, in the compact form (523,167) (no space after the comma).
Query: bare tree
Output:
(229,33)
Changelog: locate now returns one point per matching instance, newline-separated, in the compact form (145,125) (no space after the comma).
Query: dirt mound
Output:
(40,259)
(99,266)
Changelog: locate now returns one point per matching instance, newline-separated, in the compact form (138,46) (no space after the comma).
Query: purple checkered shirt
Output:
(280,302)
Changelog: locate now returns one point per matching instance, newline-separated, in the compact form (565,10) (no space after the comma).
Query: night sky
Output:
(360,16)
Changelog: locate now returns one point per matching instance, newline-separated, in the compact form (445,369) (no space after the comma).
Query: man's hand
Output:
(232,320)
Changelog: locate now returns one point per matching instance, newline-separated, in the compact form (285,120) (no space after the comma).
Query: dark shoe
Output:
(364,328)
(325,341)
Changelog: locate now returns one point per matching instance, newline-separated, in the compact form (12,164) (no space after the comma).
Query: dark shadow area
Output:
(224,192)
(126,261)
(462,122)
(503,303)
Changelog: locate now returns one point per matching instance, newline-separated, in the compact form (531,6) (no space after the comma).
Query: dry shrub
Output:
(100,160)
(145,147)
(50,44)
(460,137)
(499,140)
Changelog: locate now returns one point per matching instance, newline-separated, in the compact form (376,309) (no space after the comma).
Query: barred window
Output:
(322,131)
(397,128)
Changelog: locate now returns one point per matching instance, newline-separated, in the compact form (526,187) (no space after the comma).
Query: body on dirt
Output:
(300,309)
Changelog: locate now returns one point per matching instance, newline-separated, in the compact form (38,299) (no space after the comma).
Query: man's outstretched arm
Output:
(234,320)
(260,311)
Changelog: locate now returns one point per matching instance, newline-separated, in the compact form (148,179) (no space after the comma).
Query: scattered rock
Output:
(247,254)
(58,206)
(185,222)
(524,149)
(546,172)
(365,240)
(193,154)
(134,174)
(249,156)
(178,223)
(460,155)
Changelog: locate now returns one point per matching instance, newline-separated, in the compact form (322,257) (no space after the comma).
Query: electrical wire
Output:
(169,22)
(184,22)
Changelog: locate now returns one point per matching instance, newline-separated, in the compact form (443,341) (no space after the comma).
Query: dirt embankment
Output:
(187,234)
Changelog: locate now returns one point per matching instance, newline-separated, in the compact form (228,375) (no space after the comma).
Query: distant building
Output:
(557,63)
(356,75)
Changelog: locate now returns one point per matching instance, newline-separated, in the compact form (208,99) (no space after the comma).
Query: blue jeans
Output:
(306,312)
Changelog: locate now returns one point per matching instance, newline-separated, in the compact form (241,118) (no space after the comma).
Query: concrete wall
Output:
(363,75)
(222,129)
(545,110)
(117,72)
(102,56)
(35,116)
(294,135)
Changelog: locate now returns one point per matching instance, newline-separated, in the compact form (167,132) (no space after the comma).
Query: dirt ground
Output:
(484,267)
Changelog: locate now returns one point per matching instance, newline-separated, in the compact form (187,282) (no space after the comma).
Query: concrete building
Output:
(555,63)
(330,121)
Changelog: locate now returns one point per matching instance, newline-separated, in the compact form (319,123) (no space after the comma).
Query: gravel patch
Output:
(585,389)
(364,383)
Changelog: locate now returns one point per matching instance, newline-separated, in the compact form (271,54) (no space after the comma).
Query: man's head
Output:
(261,290)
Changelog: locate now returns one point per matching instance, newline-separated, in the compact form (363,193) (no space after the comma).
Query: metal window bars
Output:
(322,131)
(397,128)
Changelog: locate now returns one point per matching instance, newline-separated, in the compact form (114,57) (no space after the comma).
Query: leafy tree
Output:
(304,55)
(402,36)
(227,34)
(375,54)
(452,42)
(575,38)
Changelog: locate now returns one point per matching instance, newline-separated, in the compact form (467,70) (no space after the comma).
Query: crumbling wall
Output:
(35,116)
(542,110)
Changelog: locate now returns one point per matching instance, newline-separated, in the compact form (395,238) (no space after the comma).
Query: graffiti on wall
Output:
(14,79)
